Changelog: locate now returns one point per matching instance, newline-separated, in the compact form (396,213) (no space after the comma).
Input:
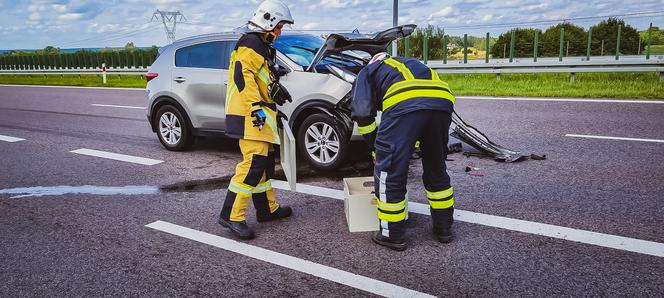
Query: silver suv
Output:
(187,88)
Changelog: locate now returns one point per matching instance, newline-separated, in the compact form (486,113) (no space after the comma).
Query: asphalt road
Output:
(98,245)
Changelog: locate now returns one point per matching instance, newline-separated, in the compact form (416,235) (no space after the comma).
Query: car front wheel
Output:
(322,142)
(173,130)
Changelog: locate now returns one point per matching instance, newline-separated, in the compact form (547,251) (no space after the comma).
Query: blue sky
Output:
(96,23)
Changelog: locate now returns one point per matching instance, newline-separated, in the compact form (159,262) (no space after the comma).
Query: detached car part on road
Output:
(187,90)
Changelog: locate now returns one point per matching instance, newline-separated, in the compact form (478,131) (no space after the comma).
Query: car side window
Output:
(203,55)
(228,47)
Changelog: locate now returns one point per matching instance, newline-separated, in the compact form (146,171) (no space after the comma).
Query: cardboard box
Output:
(360,204)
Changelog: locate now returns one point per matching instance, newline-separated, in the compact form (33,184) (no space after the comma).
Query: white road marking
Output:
(114,106)
(614,138)
(333,274)
(530,227)
(10,139)
(73,87)
(116,156)
(654,101)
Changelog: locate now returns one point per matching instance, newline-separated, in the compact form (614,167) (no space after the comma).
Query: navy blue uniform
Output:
(416,105)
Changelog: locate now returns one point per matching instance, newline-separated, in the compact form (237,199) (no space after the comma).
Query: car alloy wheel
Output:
(170,128)
(322,143)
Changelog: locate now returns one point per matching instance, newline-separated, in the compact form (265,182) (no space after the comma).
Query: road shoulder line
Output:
(599,239)
(614,138)
(10,139)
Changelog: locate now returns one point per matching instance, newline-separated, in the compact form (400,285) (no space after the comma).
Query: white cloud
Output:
(487,17)
(441,13)
(333,4)
(309,26)
(70,16)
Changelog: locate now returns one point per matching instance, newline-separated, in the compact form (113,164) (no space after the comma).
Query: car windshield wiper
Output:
(306,49)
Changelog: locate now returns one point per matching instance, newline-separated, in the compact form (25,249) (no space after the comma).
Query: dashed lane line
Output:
(530,227)
(114,106)
(10,139)
(116,156)
(614,138)
(329,273)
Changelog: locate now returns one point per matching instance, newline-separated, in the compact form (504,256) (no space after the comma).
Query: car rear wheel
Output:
(322,142)
(173,130)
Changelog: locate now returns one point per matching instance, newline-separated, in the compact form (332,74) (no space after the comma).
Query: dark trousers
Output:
(395,142)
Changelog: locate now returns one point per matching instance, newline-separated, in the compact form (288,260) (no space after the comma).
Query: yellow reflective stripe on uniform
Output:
(392,212)
(392,206)
(367,129)
(264,75)
(440,194)
(441,199)
(441,204)
(400,67)
(272,123)
(263,187)
(434,75)
(416,93)
(240,188)
(415,83)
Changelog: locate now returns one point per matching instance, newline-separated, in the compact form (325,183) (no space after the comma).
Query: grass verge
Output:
(610,85)
(127,81)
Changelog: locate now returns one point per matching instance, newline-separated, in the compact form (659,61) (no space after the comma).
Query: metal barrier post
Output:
(486,49)
(590,36)
(562,40)
(649,40)
(512,41)
(406,45)
(618,43)
(465,48)
(426,48)
(535,46)
(444,48)
(103,73)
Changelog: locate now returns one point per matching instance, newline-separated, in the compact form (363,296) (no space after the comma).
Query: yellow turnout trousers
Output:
(252,180)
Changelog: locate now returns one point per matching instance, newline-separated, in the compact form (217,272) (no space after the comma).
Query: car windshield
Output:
(301,48)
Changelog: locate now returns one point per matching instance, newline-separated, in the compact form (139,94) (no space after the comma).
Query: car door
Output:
(198,78)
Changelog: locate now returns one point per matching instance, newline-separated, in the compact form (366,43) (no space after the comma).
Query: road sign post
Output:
(535,46)
(590,37)
(465,48)
(486,49)
(649,40)
(512,42)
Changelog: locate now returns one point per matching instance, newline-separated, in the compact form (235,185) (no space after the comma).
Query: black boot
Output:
(444,235)
(282,212)
(398,245)
(238,228)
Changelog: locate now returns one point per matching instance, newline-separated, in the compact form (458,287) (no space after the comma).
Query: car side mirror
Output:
(282,71)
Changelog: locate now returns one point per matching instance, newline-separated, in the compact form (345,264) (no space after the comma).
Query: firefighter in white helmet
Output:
(252,96)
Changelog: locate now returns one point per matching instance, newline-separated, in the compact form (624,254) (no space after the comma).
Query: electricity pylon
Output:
(170,20)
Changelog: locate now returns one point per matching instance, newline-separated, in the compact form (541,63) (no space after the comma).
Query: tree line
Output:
(603,40)
(53,58)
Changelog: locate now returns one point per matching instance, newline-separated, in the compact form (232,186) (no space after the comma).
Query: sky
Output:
(35,24)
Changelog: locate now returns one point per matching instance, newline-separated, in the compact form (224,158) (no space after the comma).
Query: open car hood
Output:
(371,43)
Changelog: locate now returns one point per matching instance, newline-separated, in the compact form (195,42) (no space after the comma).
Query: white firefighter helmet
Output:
(270,13)
(379,57)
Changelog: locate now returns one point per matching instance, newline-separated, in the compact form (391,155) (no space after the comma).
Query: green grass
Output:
(134,81)
(611,85)
(656,49)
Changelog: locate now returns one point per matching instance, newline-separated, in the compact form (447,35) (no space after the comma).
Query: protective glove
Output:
(260,118)
(278,93)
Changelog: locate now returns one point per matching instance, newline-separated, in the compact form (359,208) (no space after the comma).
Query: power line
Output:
(644,14)
(109,35)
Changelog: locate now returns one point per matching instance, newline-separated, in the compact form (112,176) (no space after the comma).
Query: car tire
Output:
(170,122)
(322,142)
